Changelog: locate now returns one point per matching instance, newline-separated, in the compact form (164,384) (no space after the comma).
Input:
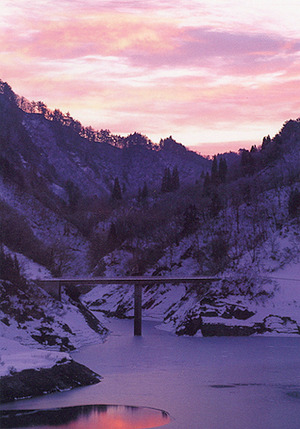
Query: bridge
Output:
(54,287)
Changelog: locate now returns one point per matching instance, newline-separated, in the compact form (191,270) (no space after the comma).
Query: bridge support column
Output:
(59,290)
(138,309)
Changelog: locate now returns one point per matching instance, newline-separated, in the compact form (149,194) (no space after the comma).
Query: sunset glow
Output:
(206,72)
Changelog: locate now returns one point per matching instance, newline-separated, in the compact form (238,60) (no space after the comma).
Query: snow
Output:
(59,191)
(69,246)
(62,322)
(15,358)
(288,280)
(29,269)
(278,278)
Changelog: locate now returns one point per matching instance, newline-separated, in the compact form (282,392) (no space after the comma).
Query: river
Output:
(203,383)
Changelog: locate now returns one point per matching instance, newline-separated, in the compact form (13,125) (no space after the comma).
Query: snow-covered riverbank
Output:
(36,335)
(16,358)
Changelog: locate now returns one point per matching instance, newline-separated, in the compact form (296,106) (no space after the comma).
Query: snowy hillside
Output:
(56,181)
(222,309)
(33,318)
(80,202)
(260,290)
(36,334)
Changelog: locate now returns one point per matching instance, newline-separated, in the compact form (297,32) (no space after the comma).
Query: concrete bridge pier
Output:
(138,309)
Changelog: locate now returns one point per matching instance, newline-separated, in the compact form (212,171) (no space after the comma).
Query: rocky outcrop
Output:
(222,330)
(229,319)
(32,382)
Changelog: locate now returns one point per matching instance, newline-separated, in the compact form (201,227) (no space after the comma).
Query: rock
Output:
(31,382)
(219,330)
(237,313)
(190,326)
(281,325)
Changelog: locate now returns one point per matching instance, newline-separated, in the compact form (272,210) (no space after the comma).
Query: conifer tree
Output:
(112,234)
(294,203)
(206,185)
(144,192)
(166,181)
(266,142)
(10,269)
(175,179)
(170,181)
(116,192)
(139,195)
(247,163)
(73,194)
(190,219)
(215,205)
(214,171)
(222,170)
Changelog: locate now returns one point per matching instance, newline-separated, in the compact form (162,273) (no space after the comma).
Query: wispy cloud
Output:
(190,69)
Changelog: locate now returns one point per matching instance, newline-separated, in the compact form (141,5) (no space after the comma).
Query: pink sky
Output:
(215,74)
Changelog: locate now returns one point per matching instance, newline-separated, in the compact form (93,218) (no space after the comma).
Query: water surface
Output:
(204,383)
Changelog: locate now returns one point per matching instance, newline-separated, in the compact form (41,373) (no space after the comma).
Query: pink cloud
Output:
(77,36)
(147,42)
(123,66)
(235,53)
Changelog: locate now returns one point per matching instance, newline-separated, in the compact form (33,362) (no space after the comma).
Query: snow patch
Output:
(15,358)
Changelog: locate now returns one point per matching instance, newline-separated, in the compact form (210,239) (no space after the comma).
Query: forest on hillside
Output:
(227,199)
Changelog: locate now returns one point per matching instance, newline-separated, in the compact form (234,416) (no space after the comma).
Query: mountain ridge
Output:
(102,160)
(78,208)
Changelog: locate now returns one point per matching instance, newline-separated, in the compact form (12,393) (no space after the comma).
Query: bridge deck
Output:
(130,280)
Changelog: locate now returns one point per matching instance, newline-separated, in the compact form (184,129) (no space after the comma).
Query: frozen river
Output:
(203,383)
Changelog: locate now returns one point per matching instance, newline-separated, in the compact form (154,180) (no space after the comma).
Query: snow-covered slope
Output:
(33,318)
(55,185)
(36,334)
(59,217)
(259,293)
(15,357)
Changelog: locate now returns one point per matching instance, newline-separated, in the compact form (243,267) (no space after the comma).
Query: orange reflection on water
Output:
(119,418)
(86,417)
